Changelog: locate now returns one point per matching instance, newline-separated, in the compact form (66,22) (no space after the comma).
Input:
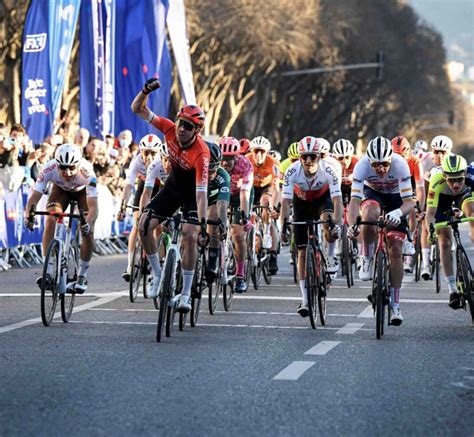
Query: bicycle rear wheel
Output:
(265,270)
(214,291)
(49,298)
(162,245)
(312,284)
(380,292)
(418,253)
(346,260)
(68,299)
(198,287)
(437,268)
(166,294)
(135,273)
(467,280)
(231,266)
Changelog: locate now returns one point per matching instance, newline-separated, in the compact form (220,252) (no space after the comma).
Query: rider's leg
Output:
(213,243)
(189,245)
(445,241)
(370,210)
(395,252)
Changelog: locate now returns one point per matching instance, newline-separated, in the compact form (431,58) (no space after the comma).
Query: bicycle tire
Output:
(437,268)
(166,293)
(228,289)
(145,274)
(213,292)
(68,299)
(345,256)
(196,292)
(467,280)
(265,271)
(49,298)
(171,314)
(312,284)
(380,269)
(323,290)
(135,273)
(418,253)
(351,262)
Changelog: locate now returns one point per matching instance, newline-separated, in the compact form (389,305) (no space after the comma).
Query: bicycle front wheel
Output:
(49,292)
(166,294)
(68,299)
(323,290)
(198,287)
(312,284)
(380,292)
(135,273)
(467,280)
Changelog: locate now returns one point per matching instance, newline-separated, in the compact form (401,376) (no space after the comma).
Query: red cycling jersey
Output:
(415,171)
(346,178)
(194,158)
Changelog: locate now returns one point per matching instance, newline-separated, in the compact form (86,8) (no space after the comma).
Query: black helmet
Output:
(216,155)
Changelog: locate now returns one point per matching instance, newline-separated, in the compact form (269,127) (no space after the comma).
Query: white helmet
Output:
(442,142)
(420,146)
(68,154)
(379,150)
(150,142)
(342,148)
(324,146)
(308,145)
(276,155)
(260,143)
(163,150)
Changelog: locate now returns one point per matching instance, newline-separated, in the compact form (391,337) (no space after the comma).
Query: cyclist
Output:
(441,146)
(448,187)
(401,146)
(218,192)
(381,181)
(276,155)
(148,148)
(420,149)
(244,146)
(185,187)
(325,148)
(292,156)
(315,190)
(266,193)
(72,178)
(343,151)
(240,170)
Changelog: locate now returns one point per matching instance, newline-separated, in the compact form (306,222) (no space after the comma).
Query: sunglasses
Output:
(343,158)
(186,125)
(67,167)
(459,180)
(440,152)
(149,153)
(384,164)
(311,156)
(257,151)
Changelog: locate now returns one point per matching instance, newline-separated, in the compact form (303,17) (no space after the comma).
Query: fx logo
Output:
(35,43)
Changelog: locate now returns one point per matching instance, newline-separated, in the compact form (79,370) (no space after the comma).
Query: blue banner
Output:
(140,55)
(36,103)
(63,16)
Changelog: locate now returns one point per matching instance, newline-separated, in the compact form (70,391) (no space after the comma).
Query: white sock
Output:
(303,291)
(331,248)
(83,268)
(155,264)
(451,281)
(188,276)
(425,256)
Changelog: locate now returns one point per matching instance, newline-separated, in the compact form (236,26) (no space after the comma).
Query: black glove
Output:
(30,223)
(151,85)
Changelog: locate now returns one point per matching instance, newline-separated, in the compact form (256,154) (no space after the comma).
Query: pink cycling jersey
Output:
(241,176)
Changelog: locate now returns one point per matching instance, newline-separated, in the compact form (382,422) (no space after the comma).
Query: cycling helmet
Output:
(260,143)
(379,150)
(68,155)
(276,155)
(454,165)
(308,145)
(215,155)
(342,148)
(292,151)
(244,146)
(150,142)
(324,146)
(194,114)
(421,146)
(442,142)
(230,146)
(400,145)
(163,150)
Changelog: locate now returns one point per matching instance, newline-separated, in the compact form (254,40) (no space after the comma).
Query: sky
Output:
(454,19)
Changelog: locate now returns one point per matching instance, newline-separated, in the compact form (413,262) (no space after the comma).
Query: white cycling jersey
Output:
(397,180)
(429,167)
(310,188)
(154,173)
(137,169)
(84,178)
(335,164)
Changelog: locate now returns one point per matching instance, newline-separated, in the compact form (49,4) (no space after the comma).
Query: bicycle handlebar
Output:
(80,216)
(329,221)
(454,221)
(379,223)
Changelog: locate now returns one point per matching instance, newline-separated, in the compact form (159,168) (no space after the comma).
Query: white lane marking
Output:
(368,313)
(350,328)
(294,370)
(112,293)
(86,306)
(322,348)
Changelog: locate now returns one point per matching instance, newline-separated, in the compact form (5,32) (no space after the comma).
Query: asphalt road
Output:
(256,370)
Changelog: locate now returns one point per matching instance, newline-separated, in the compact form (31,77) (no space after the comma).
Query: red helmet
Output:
(194,114)
(230,146)
(244,146)
(400,145)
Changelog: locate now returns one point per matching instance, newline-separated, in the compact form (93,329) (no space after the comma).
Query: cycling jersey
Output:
(428,166)
(416,171)
(283,167)
(310,188)
(440,188)
(397,179)
(84,178)
(155,173)
(335,164)
(241,176)
(347,172)
(219,187)
(186,163)
(266,174)
(137,169)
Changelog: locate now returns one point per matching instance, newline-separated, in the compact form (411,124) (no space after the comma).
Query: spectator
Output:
(110,142)
(82,137)
(125,138)
(43,153)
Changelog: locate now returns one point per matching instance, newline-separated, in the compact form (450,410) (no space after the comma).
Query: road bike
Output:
(349,252)
(464,274)
(260,256)
(62,257)
(317,279)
